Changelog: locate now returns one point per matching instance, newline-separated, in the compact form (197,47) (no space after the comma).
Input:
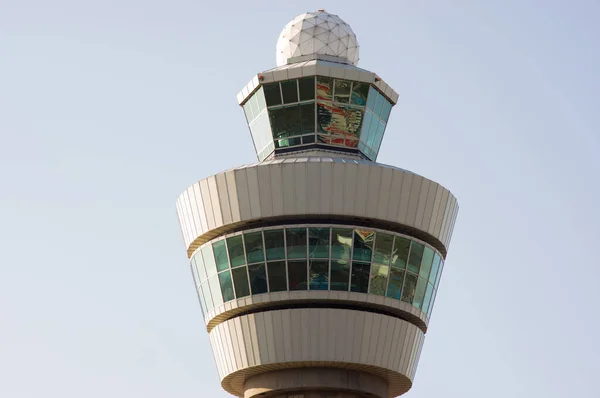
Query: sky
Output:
(110,109)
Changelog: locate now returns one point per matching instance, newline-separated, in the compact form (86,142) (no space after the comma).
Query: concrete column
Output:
(316,383)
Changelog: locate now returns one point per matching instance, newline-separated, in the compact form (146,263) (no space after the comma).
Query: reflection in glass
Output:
(426,263)
(373,94)
(410,285)
(363,245)
(379,277)
(420,292)
(427,299)
(274,244)
(378,105)
(324,88)
(341,244)
(226,286)
(340,275)
(254,247)
(240,281)
(318,239)
(439,275)
(342,91)
(385,112)
(307,118)
(287,142)
(307,88)
(277,276)
(207,296)
(235,246)
(220,255)
(308,139)
(258,278)
(289,89)
(400,253)
(435,268)
(200,266)
(318,270)
(209,260)
(360,91)
(272,94)
(415,258)
(431,303)
(340,120)
(395,286)
(297,272)
(285,122)
(202,302)
(383,248)
(215,290)
(359,281)
(296,242)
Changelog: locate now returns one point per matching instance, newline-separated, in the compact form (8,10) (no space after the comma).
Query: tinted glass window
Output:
(426,263)
(258,278)
(207,296)
(318,271)
(324,88)
(395,285)
(400,254)
(296,242)
(297,274)
(379,277)
(209,260)
(372,98)
(274,244)
(277,276)
(383,248)
(415,258)
(387,108)
(340,275)
(240,281)
(341,243)
(220,255)
(420,292)
(285,122)
(254,247)
(307,116)
(427,299)
(200,266)
(272,94)
(359,281)
(307,88)
(410,285)
(435,268)
(360,91)
(378,105)
(318,239)
(215,290)
(235,246)
(290,91)
(226,286)
(363,245)
(308,139)
(342,91)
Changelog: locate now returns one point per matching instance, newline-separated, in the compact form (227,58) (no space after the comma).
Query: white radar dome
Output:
(317,33)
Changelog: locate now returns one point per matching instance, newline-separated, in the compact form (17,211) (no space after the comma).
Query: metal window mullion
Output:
(371,263)
(307,260)
(329,262)
(280,92)
(285,259)
(387,285)
(262,233)
(351,260)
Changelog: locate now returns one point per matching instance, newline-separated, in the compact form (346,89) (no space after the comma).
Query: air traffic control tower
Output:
(317,268)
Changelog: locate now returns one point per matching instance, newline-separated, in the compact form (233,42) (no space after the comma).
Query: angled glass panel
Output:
(207,296)
(277,276)
(342,91)
(258,278)
(340,275)
(195,273)
(324,88)
(260,99)
(372,98)
(431,303)
(296,242)
(240,281)
(287,142)
(339,120)
(209,260)
(378,136)
(199,261)
(307,118)
(341,243)
(409,288)
(379,278)
(308,139)
(395,285)
(400,253)
(272,94)
(262,138)
(318,271)
(202,302)
(215,290)
(254,247)
(416,256)
(427,299)
(318,239)
(364,135)
(235,247)
(435,266)
(426,263)
(297,274)
(221,255)
(359,281)
(387,109)
(378,105)
(285,122)
(226,286)
(289,90)
(420,292)
(439,275)
(383,248)
(249,112)
(307,88)
(363,245)
(274,244)
(360,92)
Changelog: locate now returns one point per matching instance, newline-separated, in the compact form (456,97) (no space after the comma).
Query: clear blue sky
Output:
(110,109)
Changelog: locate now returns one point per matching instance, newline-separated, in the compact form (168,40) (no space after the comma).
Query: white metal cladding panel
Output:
(323,335)
(304,187)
